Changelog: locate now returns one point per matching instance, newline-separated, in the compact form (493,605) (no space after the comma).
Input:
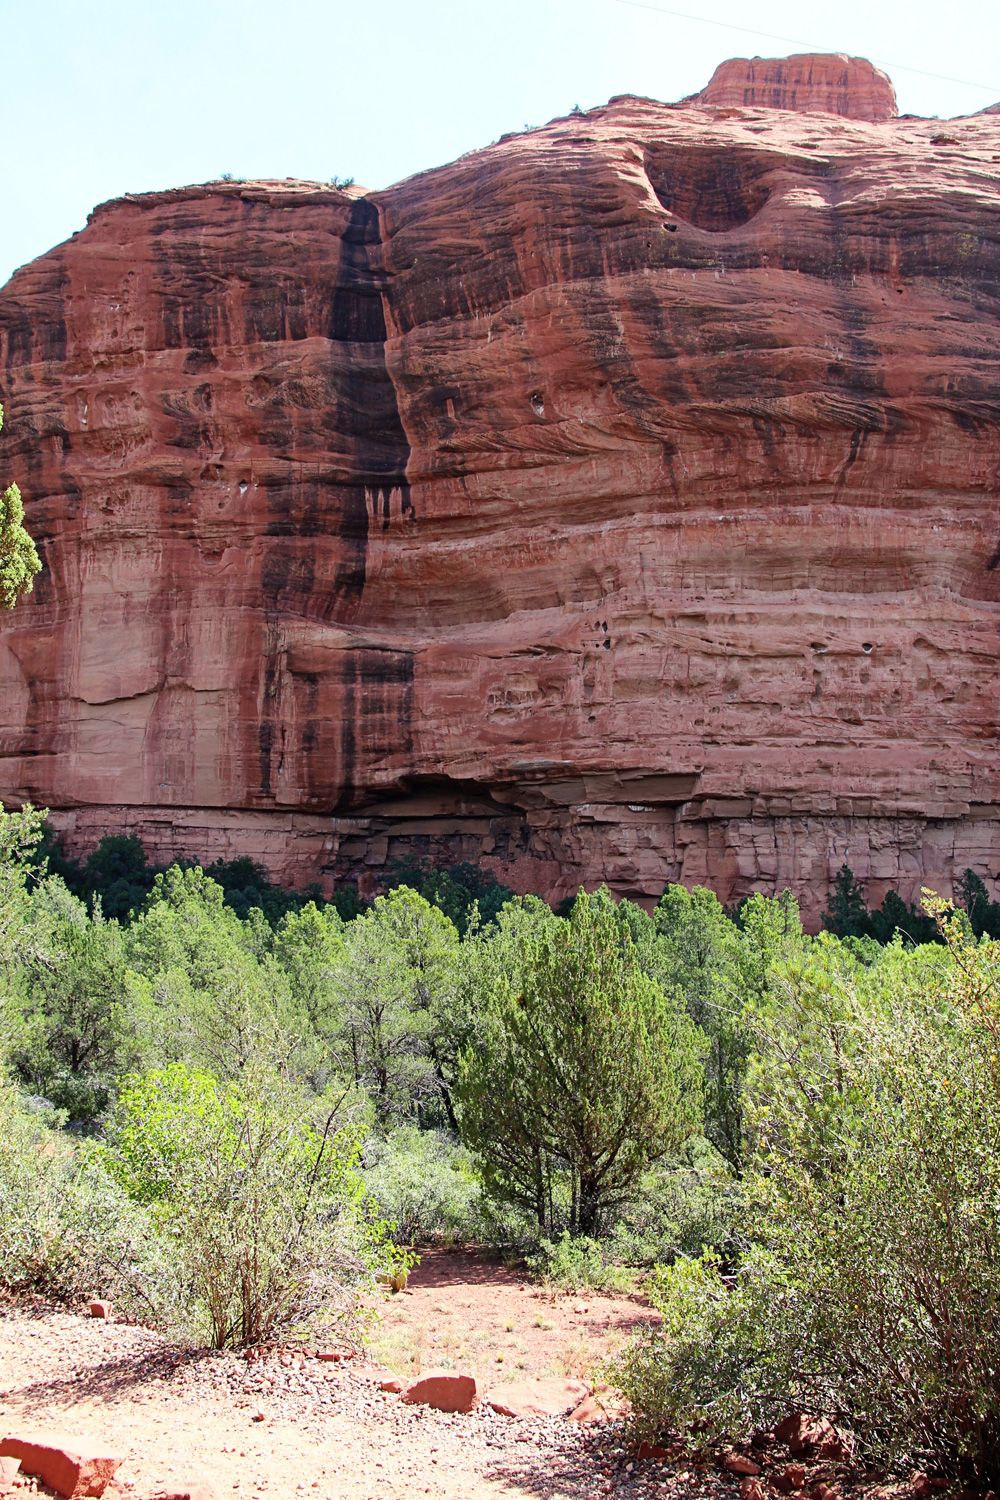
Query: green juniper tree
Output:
(584,1072)
(73,1039)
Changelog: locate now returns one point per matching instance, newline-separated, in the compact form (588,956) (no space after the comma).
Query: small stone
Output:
(800,1431)
(589,1412)
(735,1463)
(100,1309)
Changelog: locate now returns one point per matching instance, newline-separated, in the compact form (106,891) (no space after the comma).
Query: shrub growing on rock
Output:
(18,559)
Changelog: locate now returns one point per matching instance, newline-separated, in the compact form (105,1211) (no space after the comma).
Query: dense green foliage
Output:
(467,895)
(583,1070)
(19,561)
(849,917)
(868,1291)
(232,1113)
(258,1191)
(119,875)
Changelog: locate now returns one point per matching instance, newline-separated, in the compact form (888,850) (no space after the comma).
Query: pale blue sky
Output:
(103,97)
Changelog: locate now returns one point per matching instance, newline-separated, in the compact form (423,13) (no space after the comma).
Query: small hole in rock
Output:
(819,648)
(867,647)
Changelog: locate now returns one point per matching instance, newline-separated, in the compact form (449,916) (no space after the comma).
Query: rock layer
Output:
(617,503)
(830,83)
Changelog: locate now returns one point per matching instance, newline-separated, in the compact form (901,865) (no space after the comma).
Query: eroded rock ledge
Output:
(619,502)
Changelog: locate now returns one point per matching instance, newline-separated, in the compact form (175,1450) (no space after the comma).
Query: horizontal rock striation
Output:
(617,503)
(826,82)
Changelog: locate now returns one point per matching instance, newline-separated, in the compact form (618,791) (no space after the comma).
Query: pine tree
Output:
(847,914)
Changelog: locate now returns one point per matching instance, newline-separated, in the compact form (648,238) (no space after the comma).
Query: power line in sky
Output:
(792,41)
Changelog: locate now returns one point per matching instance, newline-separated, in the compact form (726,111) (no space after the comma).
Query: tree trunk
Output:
(539,1193)
(589,1212)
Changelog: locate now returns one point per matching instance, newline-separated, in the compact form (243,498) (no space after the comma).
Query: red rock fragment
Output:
(652,1450)
(752,1489)
(329,1356)
(73,1466)
(792,1480)
(443,1389)
(100,1309)
(537,1398)
(825,1492)
(590,1411)
(799,1432)
(735,1463)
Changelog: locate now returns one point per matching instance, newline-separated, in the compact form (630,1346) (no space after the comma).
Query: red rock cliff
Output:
(619,502)
(826,82)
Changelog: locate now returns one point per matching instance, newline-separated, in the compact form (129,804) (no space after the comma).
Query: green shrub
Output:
(20,833)
(423,1183)
(67,1230)
(984,914)
(73,1031)
(577,1265)
(582,1071)
(871,1295)
(394,988)
(849,917)
(263,1202)
(468,896)
(682,1206)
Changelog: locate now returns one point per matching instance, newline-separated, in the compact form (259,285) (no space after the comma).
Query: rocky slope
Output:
(618,502)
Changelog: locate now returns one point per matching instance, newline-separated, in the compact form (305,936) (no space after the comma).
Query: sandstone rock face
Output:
(828,82)
(617,503)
